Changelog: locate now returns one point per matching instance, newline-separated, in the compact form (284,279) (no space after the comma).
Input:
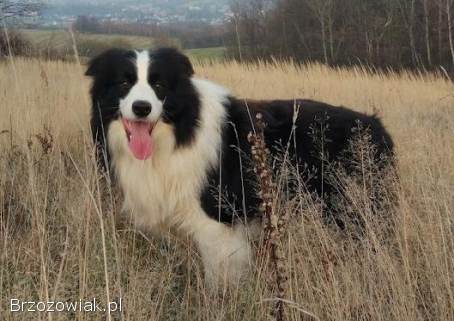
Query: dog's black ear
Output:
(95,64)
(173,57)
(104,60)
(185,64)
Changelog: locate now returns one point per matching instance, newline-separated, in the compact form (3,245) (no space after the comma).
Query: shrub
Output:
(13,43)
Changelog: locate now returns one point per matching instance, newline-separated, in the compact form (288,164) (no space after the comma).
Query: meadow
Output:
(60,38)
(61,42)
(61,238)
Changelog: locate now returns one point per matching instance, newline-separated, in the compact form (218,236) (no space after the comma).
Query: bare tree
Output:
(323,9)
(17,9)
(10,10)
(439,30)
(407,10)
(372,21)
(427,31)
(448,13)
(236,17)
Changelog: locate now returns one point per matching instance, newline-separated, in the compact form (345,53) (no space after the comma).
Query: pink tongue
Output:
(140,140)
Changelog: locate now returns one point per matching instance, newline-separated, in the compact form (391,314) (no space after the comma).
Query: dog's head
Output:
(140,91)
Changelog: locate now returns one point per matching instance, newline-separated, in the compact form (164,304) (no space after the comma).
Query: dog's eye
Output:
(158,86)
(125,84)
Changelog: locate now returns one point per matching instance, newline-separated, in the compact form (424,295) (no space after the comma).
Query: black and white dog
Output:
(177,145)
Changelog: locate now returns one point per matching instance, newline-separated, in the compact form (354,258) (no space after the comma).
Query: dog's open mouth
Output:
(139,138)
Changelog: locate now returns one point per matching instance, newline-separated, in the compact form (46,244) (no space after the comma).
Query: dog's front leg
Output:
(225,251)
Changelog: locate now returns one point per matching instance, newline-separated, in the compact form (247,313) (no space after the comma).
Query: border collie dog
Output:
(177,145)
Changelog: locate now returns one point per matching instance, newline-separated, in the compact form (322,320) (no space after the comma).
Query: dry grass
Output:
(59,241)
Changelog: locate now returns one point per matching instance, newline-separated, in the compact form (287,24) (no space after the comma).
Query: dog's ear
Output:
(185,64)
(173,57)
(95,64)
(104,60)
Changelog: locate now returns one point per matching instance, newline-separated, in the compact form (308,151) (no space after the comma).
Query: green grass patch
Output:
(62,38)
(90,45)
(203,54)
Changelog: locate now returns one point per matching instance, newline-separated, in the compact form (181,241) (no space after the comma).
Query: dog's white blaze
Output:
(164,191)
(142,62)
(141,91)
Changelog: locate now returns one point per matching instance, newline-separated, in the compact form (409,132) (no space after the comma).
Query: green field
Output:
(62,38)
(204,54)
(91,44)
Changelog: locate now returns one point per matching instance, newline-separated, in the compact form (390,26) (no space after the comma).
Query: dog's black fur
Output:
(338,124)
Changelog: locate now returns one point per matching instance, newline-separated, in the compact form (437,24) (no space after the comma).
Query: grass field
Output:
(60,38)
(216,54)
(59,239)
(91,44)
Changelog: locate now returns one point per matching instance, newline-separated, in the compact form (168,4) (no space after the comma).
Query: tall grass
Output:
(61,237)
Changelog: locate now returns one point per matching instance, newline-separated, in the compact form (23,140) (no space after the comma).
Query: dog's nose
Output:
(141,108)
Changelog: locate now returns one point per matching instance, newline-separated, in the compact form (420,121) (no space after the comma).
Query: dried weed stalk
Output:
(273,225)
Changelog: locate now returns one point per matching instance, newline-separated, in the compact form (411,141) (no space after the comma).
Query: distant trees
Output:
(87,24)
(18,8)
(11,43)
(449,4)
(383,33)
(323,11)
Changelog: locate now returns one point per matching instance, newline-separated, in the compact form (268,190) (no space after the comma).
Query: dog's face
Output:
(141,90)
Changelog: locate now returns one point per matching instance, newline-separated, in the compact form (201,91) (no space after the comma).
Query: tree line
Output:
(381,33)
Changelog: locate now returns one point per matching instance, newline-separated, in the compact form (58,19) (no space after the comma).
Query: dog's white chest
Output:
(162,191)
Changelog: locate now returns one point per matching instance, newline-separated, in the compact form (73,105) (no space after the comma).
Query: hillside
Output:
(92,44)
(210,11)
